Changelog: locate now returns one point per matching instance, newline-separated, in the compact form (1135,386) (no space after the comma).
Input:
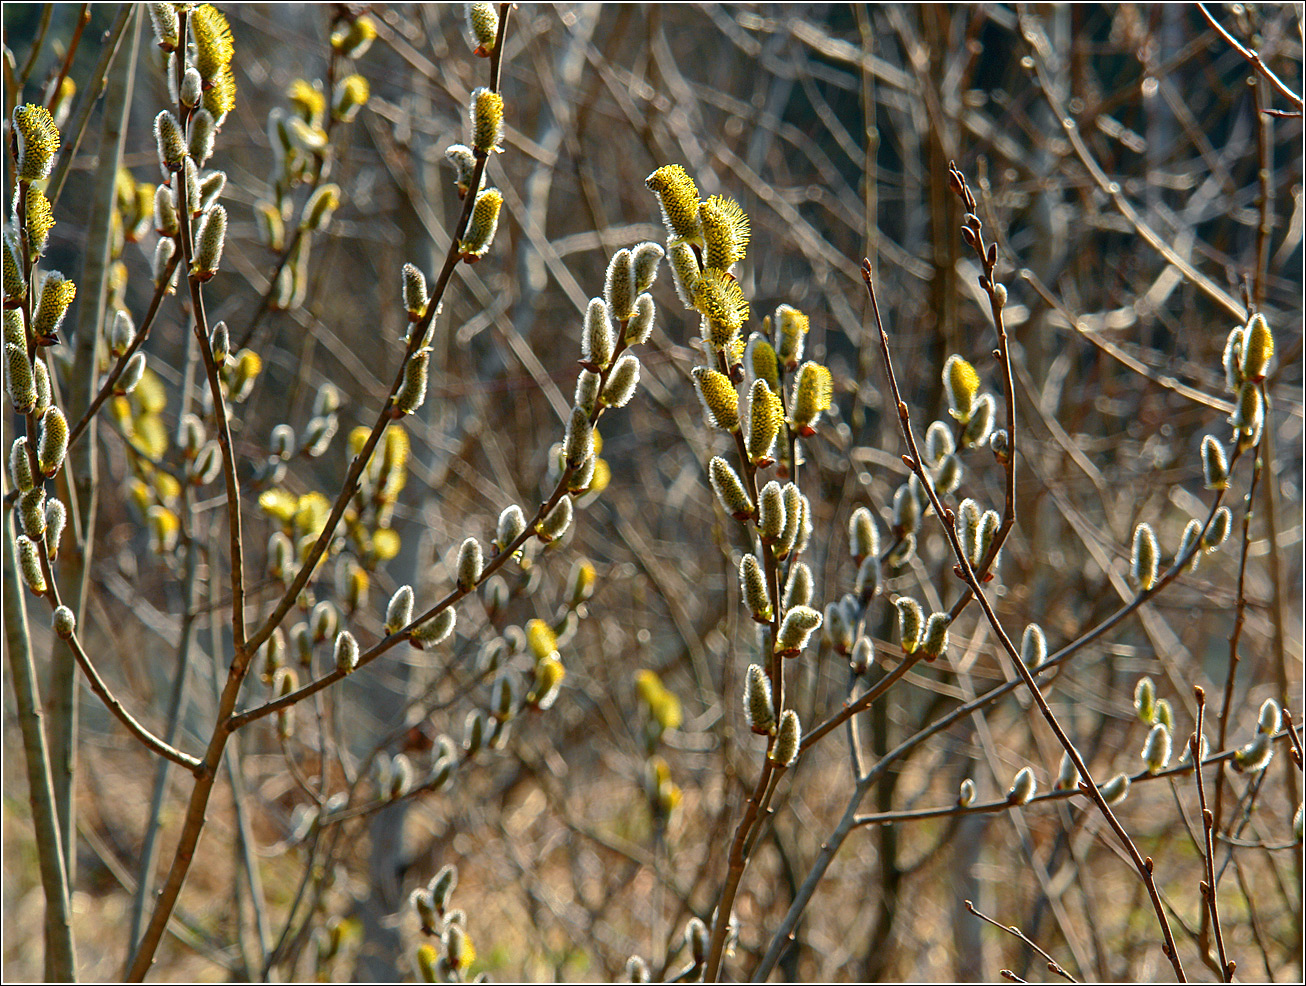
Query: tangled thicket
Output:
(710,486)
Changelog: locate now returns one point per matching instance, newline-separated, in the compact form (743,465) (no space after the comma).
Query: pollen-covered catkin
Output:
(719,398)
(678,196)
(487,120)
(765,413)
(961,383)
(482,27)
(483,223)
(35,141)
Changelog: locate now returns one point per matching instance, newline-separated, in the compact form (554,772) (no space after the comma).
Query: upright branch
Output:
(947,520)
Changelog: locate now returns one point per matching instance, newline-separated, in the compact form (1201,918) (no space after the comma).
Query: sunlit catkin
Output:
(470,561)
(619,286)
(1257,348)
(765,414)
(53,441)
(798,626)
(911,621)
(678,196)
(622,381)
(719,398)
(1215,468)
(483,224)
(752,584)
(413,390)
(1143,559)
(399,611)
(729,489)
(596,340)
(486,120)
(771,512)
(482,27)
(758,707)
(1023,787)
(961,383)
(1156,749)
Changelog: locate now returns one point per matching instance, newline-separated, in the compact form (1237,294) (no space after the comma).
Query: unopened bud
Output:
(434,631)
(1215,469)
(483,223)
(1067,775)
(752,583)
(29,562)
(1257,348)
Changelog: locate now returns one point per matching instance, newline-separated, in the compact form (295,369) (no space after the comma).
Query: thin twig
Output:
(914,460)
(1253,57)
(1054,967)
(1208,886)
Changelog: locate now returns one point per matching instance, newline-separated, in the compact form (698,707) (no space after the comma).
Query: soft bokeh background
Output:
(833,126)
